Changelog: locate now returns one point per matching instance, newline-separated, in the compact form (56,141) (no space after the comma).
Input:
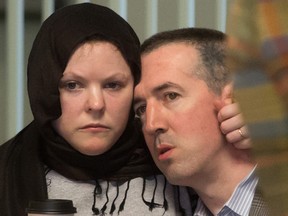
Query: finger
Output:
(232,124)
(243,144)
(219,104)
(235,136)
(228,111)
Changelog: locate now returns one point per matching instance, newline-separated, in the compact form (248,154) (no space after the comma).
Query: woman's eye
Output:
(70,86)
(113,85)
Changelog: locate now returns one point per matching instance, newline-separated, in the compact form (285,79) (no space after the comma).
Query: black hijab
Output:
(22,173)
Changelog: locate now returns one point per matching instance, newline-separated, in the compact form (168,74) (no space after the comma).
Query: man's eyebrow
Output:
(165,86)
(157,89)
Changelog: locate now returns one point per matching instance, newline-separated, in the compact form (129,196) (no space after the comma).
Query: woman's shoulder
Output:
(6,147)
(17,143)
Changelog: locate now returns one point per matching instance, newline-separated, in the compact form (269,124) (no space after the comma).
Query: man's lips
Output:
(164,151)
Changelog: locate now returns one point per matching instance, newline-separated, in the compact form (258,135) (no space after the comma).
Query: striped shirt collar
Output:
(239,203)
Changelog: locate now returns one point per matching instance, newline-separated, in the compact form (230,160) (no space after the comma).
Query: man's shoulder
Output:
(259,206)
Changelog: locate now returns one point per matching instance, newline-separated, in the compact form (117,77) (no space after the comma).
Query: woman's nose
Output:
(95,100)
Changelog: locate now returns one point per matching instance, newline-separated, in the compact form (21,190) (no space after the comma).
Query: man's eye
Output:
(140,111)
(171,96)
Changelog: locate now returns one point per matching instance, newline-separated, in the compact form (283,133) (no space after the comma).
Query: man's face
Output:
(178,114)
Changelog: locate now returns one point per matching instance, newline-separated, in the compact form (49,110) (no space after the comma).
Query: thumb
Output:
(218,105)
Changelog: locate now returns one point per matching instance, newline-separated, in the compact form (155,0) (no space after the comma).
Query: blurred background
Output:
(20,21)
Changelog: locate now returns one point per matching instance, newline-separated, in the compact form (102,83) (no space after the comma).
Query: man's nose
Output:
(155,121)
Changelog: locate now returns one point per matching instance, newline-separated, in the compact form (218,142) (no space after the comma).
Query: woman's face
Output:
(96,93)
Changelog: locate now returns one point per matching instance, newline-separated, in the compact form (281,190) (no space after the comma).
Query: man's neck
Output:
(216,189)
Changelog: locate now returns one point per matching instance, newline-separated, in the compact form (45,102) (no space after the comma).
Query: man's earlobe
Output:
(227,94)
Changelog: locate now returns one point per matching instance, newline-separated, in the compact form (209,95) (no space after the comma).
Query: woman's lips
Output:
(95,128)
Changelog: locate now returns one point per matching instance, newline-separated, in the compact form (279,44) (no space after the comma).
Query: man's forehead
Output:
(137,89)
(139,94)
(165,65)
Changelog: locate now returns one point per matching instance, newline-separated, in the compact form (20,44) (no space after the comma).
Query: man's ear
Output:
(227,94)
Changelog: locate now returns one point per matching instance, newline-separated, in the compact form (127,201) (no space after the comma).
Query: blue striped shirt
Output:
(239,203)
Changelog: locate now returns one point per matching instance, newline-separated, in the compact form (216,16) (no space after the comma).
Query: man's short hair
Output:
(211,45)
